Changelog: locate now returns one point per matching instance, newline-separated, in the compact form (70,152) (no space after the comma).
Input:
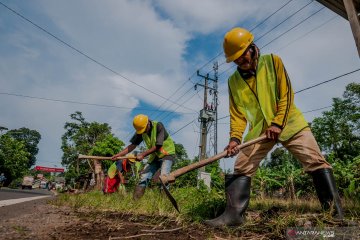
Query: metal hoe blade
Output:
(171,198)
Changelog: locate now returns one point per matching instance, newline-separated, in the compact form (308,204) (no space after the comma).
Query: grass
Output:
(268,218)
(20,229)
(194,203)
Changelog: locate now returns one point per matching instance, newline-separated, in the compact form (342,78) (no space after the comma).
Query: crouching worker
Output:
(160,149)
(115,174)
(260,94)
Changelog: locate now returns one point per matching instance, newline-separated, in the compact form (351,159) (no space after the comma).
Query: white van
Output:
(27,182)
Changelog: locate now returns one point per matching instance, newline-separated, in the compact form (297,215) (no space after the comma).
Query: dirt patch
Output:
(47,221)
(38,224)
(53,222)
(111,225)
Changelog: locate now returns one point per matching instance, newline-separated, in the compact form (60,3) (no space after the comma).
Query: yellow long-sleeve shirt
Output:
(285,95)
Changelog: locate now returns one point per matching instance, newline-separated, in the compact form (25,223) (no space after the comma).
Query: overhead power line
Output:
(198,69)
(85,103)
(270,16)
(318,109)
(172,134)
(309,111)
(259,24)
(307,33)
(269,30)
(159,115)
(220,53)
(224,117)
(86,55)
(232,66)
(318,84)
(293,27)
(189,79)
(169,113)
(299,10)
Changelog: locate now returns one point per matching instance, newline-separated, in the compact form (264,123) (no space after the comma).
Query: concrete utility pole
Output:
(207,116)
(209,113)
(215,100)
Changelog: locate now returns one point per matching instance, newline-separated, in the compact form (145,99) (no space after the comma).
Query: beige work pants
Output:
(302,145)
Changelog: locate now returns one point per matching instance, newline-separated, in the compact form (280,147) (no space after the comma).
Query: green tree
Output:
(187,180)
(107,147)
(30,139)
(347,175)
(338,130)
(3,129)
(286,172)
(265,182)
(190,179)
(180,152)
(182,160)
(14,158)
(81,137)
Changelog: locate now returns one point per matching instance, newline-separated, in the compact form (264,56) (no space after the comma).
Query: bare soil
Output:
(52,222)
(48,221)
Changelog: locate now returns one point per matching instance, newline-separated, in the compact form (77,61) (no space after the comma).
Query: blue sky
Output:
(152,48)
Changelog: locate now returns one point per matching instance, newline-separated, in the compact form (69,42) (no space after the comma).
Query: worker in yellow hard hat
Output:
(261,96)
(161,150)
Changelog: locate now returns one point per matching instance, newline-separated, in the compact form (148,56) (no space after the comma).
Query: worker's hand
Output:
(115,156)
(140,157)
(231,150)
(273,132)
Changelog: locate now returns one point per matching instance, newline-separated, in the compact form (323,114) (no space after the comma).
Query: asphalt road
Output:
(7,193)
(18,209)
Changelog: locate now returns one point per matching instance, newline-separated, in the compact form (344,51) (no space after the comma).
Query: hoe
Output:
(164,179)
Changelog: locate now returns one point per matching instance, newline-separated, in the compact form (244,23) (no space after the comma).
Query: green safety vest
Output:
(261,108)
(168,147)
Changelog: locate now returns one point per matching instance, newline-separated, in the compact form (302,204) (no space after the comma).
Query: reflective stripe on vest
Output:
(260,108)
(167,148)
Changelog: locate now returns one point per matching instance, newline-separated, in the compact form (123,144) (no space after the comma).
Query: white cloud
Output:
(206,16)
(125,35)
(145,48)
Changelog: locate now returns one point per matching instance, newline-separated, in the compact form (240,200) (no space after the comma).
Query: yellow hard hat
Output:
(140,122)
(236,41)
(131,157)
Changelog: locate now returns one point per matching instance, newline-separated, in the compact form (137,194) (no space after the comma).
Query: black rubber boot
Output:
(326,190)
(237,190)
(138,193)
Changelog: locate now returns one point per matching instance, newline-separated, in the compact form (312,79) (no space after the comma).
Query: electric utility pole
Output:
(208,114)
(215,101)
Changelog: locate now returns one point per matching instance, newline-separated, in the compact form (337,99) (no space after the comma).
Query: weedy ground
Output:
(117,216)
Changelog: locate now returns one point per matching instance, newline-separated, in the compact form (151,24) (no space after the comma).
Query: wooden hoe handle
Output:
(177,173)
(81,156)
